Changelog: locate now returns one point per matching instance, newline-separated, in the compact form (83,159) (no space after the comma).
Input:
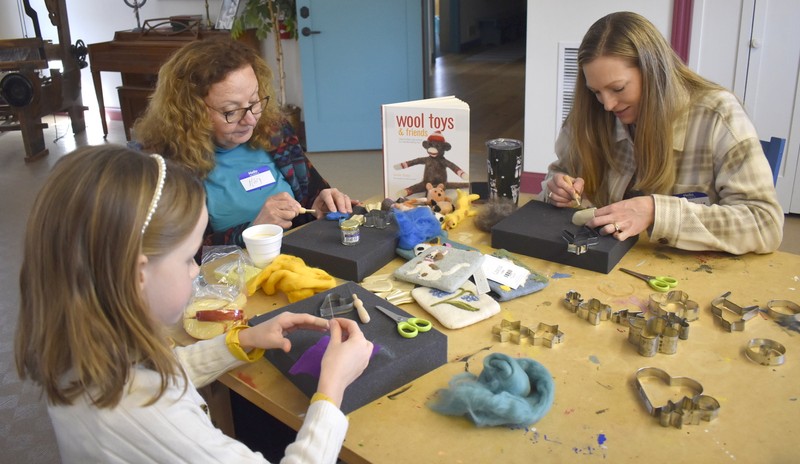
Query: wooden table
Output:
(597,414)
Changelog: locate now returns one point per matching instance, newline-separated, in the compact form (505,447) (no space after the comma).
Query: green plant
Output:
(263,15)
(266,16)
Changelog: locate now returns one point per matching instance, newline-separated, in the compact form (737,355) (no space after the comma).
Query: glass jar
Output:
(350,232)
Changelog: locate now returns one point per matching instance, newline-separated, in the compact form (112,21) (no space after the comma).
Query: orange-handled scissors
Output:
(657,283)
(408,327)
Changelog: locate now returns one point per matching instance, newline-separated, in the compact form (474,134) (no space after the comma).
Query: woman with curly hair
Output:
(213,111)
(644,131)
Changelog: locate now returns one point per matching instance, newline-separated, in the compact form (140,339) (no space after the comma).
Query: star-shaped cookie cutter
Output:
(545,334)
(689,410)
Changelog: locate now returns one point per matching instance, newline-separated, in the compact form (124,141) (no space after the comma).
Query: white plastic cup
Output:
(263,243)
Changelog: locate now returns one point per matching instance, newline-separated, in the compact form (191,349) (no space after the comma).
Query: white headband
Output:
(162,175)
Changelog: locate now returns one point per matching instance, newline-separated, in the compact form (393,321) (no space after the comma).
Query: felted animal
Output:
(436,166)
(438,199)
(463,209)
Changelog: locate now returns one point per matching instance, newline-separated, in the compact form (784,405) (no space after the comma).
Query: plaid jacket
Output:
(717,152)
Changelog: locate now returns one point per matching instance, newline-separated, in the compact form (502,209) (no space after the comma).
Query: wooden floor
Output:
(492,81)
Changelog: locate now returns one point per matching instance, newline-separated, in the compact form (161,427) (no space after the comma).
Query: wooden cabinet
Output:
(138,55)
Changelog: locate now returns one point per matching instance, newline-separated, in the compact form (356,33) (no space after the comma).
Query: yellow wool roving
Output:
(290,275)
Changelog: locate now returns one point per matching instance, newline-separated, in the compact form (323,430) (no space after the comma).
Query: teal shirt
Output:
(229,202)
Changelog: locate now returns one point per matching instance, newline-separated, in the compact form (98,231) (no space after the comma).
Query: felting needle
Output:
(304,211)
(575,194)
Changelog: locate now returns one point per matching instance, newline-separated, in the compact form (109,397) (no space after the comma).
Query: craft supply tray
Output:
(536,229)
(398,361)
(319,244)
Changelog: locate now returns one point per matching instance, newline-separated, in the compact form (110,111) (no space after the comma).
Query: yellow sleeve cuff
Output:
(322,397)
(232,341)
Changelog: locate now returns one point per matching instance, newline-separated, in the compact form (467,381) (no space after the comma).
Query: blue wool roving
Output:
(508,392)
(415,226)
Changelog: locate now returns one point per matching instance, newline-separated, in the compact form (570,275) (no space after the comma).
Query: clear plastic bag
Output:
(219,292)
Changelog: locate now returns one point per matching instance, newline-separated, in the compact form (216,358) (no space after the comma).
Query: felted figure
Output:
(509,391)
(438,199)
(415,226)
(436,166)
(463,209)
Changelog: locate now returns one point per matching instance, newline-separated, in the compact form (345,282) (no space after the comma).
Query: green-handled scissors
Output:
(657,283)
(408,327)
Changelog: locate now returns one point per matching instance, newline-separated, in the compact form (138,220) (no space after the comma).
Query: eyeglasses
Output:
(234,116)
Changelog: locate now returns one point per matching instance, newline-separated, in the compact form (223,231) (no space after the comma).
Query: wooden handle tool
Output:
(304,211)
(362,311)
(575,195)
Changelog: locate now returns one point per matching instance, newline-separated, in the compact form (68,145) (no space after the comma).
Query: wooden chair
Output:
(774,151)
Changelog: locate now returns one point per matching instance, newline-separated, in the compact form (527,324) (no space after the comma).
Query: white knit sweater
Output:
(176,428)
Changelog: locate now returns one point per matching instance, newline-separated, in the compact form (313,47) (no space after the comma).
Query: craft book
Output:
(425,142)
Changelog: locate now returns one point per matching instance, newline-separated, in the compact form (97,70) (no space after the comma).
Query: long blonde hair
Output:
(176,122)
(667,87)
(83,321)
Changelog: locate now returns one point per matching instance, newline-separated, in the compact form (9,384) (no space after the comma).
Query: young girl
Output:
(108,265)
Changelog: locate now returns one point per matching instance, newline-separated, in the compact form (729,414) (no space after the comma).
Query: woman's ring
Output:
(616,227)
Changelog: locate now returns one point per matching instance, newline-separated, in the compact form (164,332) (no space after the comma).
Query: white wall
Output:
(96,21)
(548,24)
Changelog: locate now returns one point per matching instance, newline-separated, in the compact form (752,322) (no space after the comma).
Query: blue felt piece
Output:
(416,225)
(441,240)
(509,391)
(534,283)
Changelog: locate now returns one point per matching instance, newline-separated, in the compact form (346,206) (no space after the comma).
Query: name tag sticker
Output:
(257,178)
(695,197)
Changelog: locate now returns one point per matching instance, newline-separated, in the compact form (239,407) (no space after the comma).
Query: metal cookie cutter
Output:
(675,301)
(378,219)
(658,334)
(765,352)
(579,242)
(721,306)
(547,335)
(689,410)
(334,305)
(783,311)
(593,310)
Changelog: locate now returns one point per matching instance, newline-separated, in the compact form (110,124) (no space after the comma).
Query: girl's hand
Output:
(564,191)
(272,333)
(279,209)
(625,218)
(345,359)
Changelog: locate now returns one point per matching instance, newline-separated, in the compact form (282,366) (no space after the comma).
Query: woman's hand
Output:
(564,191)
(625,218)
(271,334)
(331,200)
(346,357)
(279,209)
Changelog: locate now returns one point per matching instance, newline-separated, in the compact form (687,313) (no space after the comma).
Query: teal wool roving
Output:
(508,392)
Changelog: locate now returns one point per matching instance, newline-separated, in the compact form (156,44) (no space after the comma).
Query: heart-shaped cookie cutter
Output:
(689,410)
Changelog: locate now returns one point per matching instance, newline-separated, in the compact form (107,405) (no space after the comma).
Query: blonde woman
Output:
(108,264)
(644,131)
(214,111)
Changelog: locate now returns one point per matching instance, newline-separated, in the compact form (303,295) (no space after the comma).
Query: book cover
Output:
(425,142)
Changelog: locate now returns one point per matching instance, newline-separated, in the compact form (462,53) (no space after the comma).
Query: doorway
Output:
(478,55)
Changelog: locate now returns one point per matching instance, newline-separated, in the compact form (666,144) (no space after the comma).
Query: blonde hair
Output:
(83,321)
(176,123)
(667,87)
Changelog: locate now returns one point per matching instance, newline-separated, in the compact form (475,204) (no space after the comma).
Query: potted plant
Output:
(266,16)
